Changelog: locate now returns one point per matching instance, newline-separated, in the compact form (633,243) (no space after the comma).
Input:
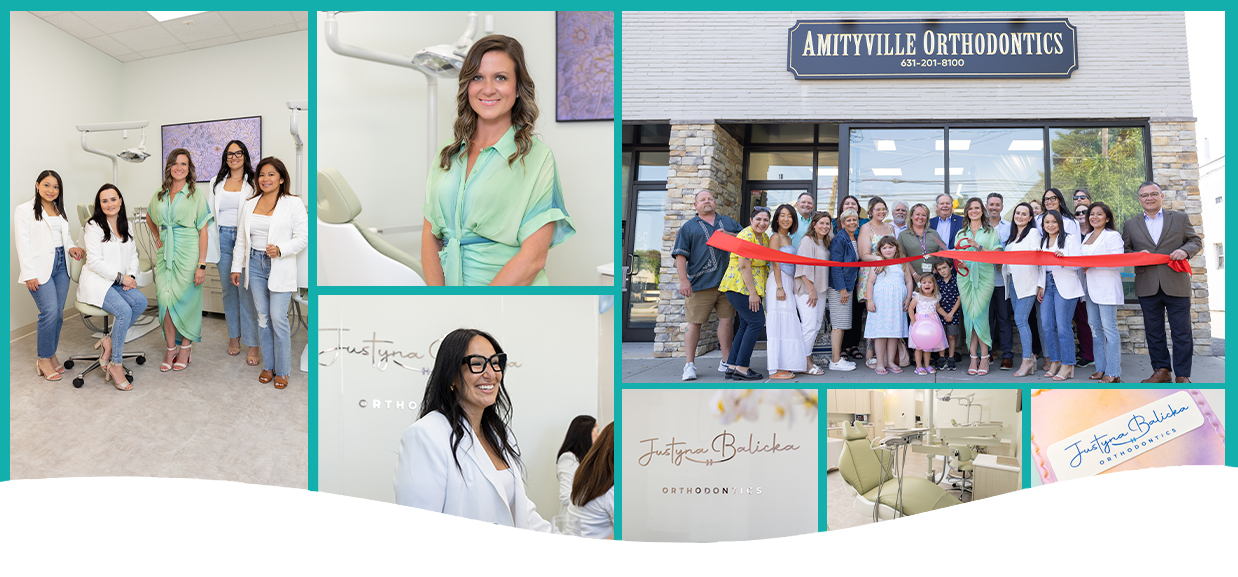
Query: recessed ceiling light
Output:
(954,144)
(885,145)
(165,16)
(1027,145)
(887,171)
(828,171)
(954,171)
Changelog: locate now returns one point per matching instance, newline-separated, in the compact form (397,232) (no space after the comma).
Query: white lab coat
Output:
(35,246)
(103,261)
(1104,284)
(426,477)
(289,231)
(1066,277)
(1023,277)
(596,519)
(212,201)
(565,470)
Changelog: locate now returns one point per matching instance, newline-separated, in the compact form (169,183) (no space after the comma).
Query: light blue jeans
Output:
(1055,316)
(272,307)
(1022,314)
(50,298)
(126,306)
(1106,345)
(238,305)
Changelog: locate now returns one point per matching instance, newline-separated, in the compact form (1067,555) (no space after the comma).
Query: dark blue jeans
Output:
(747,329)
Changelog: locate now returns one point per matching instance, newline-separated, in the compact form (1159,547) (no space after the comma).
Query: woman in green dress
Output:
(493,207)
(976,288)
(177,217)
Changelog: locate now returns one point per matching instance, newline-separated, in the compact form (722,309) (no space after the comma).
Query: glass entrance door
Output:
(643,263)
(784,193)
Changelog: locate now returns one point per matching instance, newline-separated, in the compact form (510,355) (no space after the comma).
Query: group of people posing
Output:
(936,301)
(246,220)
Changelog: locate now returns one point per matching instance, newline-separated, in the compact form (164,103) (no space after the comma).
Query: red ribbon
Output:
(752,250)
(963,244)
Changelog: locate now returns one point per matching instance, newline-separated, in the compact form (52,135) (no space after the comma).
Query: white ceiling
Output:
(129,36)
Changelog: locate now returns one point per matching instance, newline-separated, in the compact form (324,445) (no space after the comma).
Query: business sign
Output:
(948,48)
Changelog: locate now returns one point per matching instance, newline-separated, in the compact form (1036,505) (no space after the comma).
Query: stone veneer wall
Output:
(703,156)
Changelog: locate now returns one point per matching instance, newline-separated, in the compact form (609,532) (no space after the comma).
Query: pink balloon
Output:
(926,334)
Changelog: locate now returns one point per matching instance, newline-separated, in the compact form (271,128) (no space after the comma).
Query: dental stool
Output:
(75,272)
(865,471)
(964,458)
(348,252)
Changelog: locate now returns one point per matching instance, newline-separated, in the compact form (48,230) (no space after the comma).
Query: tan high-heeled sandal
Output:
(166,366)
(181,366)
(1062,374)
(1028,371)
(51,376)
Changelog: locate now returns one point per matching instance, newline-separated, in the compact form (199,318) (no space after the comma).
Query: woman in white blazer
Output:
(581,434)
(1104,294)
(1053,200)
(460,457)
(1058,290)
(41,237)
(229,190)
(109,278)
(1020,281)
(593,491)
(272,228)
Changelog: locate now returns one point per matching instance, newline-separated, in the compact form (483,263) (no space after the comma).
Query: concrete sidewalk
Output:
(639,366)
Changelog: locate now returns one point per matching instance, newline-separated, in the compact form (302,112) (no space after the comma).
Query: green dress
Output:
(179,217)
(484,219)
(976,288)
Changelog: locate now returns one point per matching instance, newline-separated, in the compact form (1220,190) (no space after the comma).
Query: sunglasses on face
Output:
(477,363)
(1081,213)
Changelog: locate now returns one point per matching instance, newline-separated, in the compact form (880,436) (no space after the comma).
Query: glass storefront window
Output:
(827,180)
(1008,161)
(897,164)
(653,166)
(627,134)
(626,179)
(1109,163)
(643,294)
(828,134)
(780,165)
(772,198)
(781,133)
(655,133)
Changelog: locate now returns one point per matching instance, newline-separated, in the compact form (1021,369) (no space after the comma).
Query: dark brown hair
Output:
(122,220)
(524,110)
(596,474)
(38,199)
(283,174)
(191,179)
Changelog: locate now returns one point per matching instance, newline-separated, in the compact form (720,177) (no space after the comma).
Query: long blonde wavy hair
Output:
(167,172)
(524,111)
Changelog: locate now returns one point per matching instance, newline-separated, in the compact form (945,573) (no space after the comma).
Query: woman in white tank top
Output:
(230,188)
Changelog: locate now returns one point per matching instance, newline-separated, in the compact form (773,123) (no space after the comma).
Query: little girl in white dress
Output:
(923,309)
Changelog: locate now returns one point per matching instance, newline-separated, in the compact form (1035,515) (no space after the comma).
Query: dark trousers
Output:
(1084,330)
(853,336)
(1036,350)
(747,329)
(1155,308)
(1000,328)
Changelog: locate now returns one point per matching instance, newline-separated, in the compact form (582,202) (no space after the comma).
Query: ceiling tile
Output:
(300,16)
(254,21)
(130,57)
(197,27)
(43,14)
(113,22)
(146,39)
(164,51)
(209,42)
(108,45)
(74,25)
(268,31)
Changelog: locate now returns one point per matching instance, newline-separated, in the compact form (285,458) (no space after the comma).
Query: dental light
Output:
(136,154)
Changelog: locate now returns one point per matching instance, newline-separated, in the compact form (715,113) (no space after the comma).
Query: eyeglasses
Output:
(1149,195)
(237,154)
(1080,197)
(477,363)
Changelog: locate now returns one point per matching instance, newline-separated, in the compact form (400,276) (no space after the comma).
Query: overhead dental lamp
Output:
(135,154)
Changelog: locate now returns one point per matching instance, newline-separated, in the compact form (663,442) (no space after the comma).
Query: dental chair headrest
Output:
(854,433)
(337,204)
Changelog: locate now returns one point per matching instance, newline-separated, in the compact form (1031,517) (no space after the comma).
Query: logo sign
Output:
(1121,439)
(949,48)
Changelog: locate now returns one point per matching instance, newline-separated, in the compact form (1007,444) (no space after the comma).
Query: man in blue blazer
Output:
(946,223)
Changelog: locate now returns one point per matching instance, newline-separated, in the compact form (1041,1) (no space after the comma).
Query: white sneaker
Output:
(689,372)
(722,367)
(842,365)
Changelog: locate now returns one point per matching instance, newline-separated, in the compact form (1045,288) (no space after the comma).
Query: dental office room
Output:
(160,282)
(897,452)
(393,108)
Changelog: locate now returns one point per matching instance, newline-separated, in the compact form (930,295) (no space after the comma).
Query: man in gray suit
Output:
(1161,289)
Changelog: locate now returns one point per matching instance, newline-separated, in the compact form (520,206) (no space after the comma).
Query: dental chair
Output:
(348,252)
(866,472)
(144,278)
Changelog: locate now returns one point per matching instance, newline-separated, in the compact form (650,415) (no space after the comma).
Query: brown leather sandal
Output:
(281,382)
(264,377)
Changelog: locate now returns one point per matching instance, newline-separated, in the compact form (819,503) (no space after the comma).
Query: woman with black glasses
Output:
(461,449)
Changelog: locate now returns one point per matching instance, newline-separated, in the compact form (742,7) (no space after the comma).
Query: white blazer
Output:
(1023,277)
(35,247)
(1070,224)
(289,231)
(1066,277)
(426,477)
(596,519)
(1104,284)
(103,261)
(565,470)
(212,201)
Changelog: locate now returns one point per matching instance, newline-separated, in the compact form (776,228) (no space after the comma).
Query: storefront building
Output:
(1092,100)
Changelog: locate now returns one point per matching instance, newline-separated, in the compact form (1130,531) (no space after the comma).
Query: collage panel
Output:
(163,298)
(402,402)
(470,160)
(899,452)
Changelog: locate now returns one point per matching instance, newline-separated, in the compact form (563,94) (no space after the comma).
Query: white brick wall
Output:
(719,66)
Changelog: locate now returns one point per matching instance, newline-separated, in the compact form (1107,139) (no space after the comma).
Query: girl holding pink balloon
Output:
(927,333)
